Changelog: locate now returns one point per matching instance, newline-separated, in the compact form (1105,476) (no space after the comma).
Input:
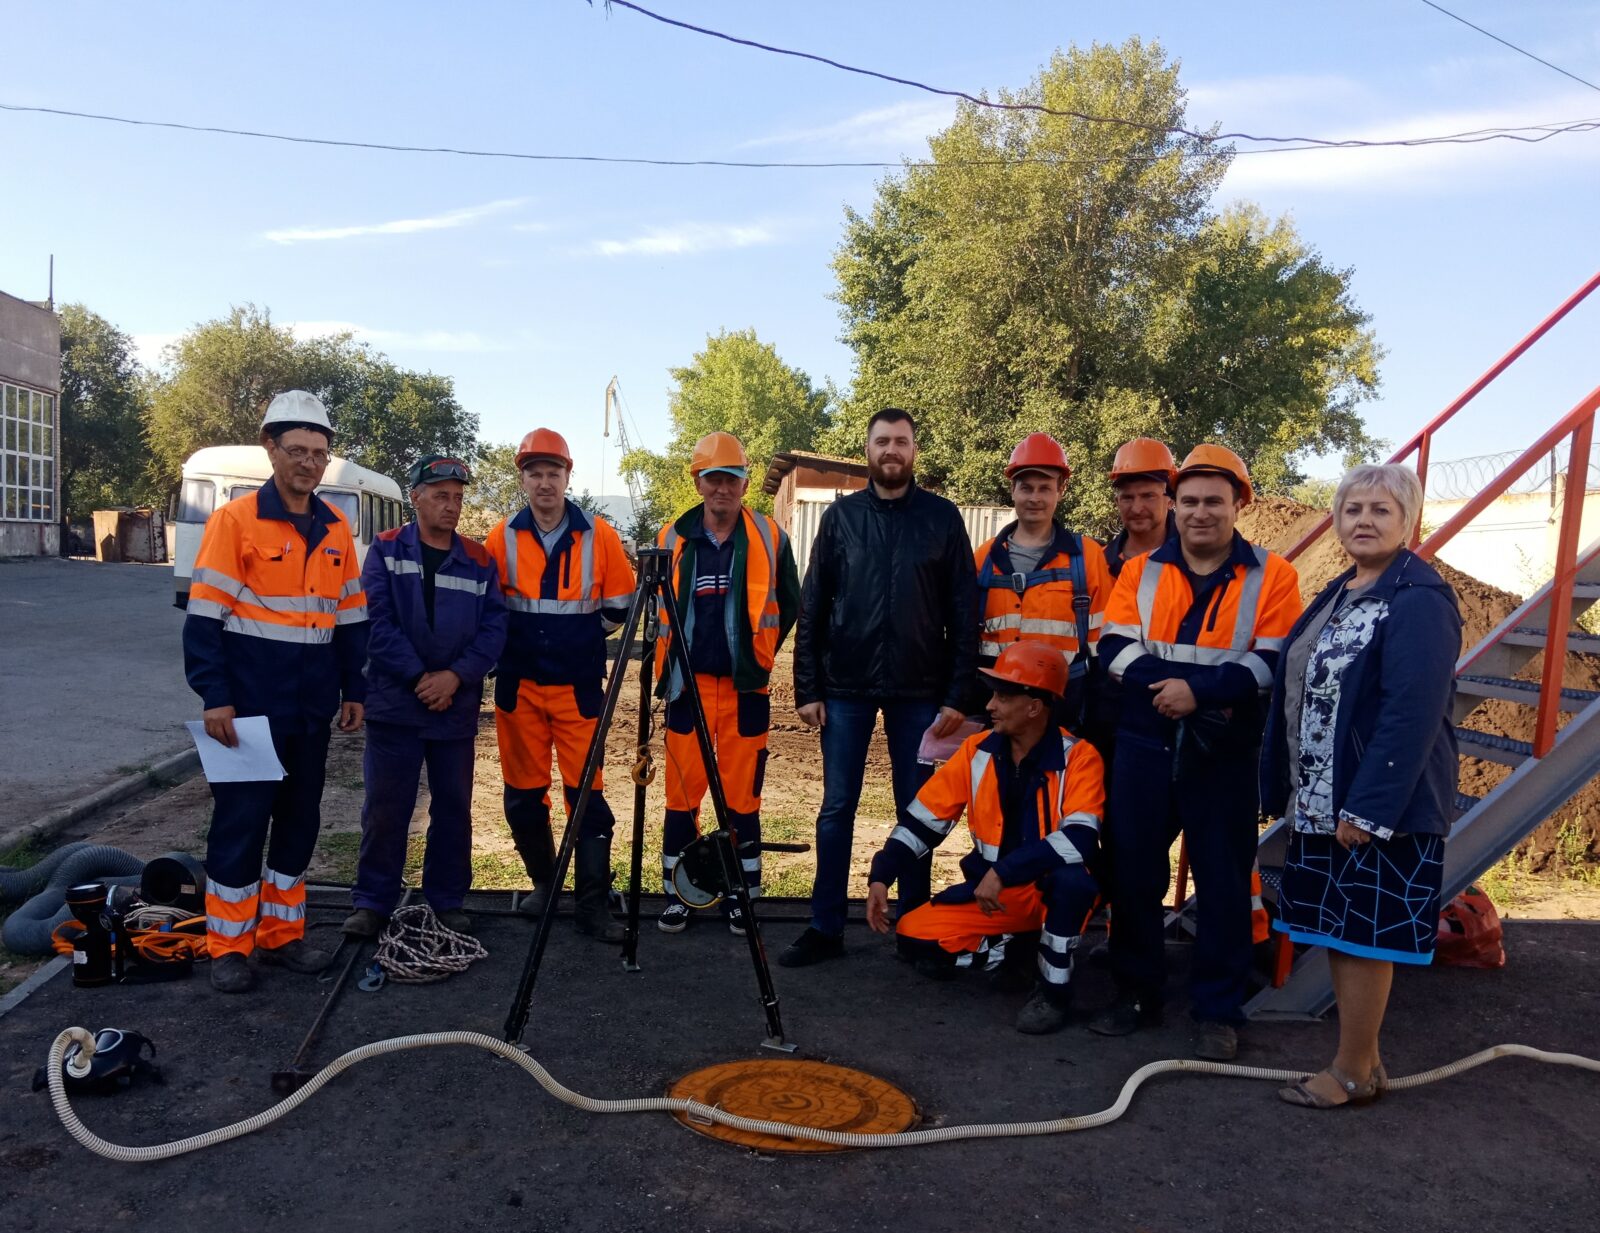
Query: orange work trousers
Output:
(547,718)
(738,723)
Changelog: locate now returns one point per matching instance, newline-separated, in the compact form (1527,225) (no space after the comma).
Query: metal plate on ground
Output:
(798,1092)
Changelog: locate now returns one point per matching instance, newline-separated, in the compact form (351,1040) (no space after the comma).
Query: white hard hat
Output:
(297,407)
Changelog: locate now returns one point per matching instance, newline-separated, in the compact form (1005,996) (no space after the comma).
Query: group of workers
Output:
(1124,688)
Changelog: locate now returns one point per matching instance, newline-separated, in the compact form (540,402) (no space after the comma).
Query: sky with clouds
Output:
(532,283)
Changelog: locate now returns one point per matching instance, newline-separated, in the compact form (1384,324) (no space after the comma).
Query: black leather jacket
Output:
(889,606)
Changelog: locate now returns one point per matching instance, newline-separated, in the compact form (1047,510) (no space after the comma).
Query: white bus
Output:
(370,502)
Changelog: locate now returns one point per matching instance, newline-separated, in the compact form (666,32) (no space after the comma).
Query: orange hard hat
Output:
(1144,456)
(718,451)
(1029,665)
(1219,460)
(544,443)
(1038,451)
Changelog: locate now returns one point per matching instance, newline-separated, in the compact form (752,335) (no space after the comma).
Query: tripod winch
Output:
(710,868)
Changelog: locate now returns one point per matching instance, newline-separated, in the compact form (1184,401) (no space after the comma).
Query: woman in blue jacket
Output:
(1360,761)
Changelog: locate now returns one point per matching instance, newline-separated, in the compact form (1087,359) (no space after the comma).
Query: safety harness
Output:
(991,577)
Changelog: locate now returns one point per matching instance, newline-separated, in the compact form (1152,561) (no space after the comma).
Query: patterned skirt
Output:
(1379,900)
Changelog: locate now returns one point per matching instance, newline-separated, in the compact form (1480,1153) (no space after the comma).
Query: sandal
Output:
(1356,1094)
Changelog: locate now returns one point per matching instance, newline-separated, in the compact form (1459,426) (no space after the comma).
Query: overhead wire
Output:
(1522,51)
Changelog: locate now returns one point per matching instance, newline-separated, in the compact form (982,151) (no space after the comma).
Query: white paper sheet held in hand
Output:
(251,761)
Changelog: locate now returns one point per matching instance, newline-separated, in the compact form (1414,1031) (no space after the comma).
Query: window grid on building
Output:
(27,454)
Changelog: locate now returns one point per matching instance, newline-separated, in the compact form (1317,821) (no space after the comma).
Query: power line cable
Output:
(1529,133)
(1507,43)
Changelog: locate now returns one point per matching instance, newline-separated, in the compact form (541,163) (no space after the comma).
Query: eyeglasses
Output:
(300,453)
(447,469)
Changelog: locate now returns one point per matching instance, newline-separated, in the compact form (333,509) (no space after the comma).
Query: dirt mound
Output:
(1572,834)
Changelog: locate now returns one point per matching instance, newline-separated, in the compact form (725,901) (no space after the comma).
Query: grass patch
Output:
(14,968)
(338,852)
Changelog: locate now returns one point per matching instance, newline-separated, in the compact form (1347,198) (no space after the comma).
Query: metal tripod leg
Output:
(641,783)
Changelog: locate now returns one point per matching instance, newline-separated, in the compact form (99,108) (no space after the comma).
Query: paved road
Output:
(92,686)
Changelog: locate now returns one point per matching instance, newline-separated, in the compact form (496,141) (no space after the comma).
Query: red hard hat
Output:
(544,443)
(1144,456)
(1031,665)
(1219,460)
(1038,451)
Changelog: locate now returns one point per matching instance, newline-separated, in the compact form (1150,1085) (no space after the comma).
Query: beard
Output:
(890,475)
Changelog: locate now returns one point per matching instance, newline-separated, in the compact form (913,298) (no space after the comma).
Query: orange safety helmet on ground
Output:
(718,451)
(544,443)
(1029,667)
(1038,451)
(1143,456)
(1219,460)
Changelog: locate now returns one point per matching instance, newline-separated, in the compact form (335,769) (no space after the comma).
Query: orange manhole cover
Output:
(798,1092)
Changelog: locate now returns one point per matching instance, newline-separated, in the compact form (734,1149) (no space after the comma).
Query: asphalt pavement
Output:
(92,688)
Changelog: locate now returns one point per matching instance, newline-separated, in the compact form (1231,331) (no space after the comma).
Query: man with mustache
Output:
(888,623)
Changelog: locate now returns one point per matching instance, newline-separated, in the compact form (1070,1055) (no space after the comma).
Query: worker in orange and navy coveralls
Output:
(276,626)
(1192,633)
(1033,795)
(567,584)
(1040,581)
(738,595)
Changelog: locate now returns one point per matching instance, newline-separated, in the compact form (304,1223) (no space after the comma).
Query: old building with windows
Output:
(30,426)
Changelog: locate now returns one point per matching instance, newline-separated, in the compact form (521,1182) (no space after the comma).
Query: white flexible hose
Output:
(706,1113)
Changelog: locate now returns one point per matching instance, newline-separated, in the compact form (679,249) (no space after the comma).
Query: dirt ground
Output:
(454,1139)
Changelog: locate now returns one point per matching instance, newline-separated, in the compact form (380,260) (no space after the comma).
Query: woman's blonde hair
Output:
(1400,483)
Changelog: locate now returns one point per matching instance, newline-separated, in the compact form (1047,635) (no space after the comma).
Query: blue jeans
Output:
(845,737)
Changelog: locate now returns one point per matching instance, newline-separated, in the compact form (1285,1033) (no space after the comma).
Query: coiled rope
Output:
(702,1112)
(416,949)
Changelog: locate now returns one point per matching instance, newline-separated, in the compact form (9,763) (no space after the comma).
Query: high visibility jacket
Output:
(762,601)
(1070,585)
(1117,545)
(276,624)
(561,607)
(1224,641)
(1059,810)
(466,635)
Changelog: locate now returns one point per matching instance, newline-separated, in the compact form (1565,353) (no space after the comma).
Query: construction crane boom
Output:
(614,403)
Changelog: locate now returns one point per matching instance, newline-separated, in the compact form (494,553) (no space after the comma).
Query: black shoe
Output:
(674,918)
(231,974)
(533,904)
(1216,1042)
(297,955)
(455,920)
(810,947)
(1125,1016)
(1041,1014)
(364,923)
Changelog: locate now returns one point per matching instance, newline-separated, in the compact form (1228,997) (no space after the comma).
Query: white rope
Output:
(416,949)
(701,1112)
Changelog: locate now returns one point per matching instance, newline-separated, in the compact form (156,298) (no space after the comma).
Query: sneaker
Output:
(231,974)
(674,918)
(1216,1042)
(364,923)
(455,920)
(298,956)
(734,915)
(1125,1016)
(812,946)
(1041,1014)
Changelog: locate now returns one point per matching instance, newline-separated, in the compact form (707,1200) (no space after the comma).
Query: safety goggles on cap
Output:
(432,470)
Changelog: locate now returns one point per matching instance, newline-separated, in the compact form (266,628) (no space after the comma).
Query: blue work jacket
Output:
(1394,755)
(467,634)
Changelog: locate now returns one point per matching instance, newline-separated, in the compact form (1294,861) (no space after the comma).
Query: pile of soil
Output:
(1568,837)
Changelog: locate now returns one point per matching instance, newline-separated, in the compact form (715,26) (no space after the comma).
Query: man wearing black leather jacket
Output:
(888,623)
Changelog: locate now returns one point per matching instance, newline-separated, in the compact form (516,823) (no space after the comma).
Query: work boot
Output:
(1017,971)
(1043,1013)
(455,920)
(1126,1015)
(591,913)
(812,946)
(1216,1042)
(364,923)
(230,973)
(534,902)
(298,956)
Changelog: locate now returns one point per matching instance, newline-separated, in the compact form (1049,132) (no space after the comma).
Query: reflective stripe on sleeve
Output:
(924,815)
(397,566)
(208,608)
(1124,661)
(351,616)
(1064,848)
(905,835)
(989,851)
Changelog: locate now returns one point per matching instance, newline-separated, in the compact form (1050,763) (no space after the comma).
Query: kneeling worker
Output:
(1033,796)
(438,625)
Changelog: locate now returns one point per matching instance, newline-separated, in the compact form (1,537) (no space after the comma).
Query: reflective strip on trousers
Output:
(229,928)
(232,894)
(282,881)
(283,911)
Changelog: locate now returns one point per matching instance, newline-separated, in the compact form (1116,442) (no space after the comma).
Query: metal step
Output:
(1503,749)
(1586,590)
(1534,636)
(1524,692)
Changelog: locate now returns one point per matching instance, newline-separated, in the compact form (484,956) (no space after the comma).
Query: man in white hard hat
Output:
(276,626)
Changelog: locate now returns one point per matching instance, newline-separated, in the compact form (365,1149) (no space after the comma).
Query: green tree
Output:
(103,397)
(737,384)
(225,372)
(495,491)
(1048,273)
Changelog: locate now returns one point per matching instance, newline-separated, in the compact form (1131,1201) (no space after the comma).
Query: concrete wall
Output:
(30,345)
(1512,544)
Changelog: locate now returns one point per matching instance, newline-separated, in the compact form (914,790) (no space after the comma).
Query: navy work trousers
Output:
(1215,806)
(290,807)
(393,765)
(845,738)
